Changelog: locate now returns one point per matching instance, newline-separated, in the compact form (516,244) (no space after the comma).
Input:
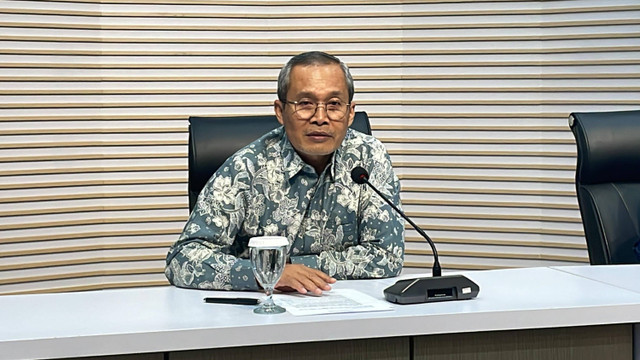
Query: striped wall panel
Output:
(471,99)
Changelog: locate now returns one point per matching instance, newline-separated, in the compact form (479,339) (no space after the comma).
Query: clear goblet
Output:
(268,258)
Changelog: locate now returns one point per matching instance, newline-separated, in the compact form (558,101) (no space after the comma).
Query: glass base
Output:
(273,309)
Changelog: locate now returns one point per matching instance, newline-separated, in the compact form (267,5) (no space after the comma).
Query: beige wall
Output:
(471,98)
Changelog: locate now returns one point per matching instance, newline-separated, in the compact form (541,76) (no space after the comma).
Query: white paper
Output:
(335,301)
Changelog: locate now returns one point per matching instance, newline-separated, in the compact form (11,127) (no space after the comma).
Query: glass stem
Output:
(269,301)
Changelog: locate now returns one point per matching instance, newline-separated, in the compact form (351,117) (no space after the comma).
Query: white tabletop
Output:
(623,276)
(171,319)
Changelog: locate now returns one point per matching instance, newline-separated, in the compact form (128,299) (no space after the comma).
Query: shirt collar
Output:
(292,163)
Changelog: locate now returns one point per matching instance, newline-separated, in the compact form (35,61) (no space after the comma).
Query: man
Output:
(295,182)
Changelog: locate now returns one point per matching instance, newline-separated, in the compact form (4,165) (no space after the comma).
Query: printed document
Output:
(331,302)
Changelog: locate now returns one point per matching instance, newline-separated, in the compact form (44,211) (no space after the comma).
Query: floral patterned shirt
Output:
(332,223)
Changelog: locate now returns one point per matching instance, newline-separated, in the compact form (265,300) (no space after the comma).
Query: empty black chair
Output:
(608,183)
(214,139)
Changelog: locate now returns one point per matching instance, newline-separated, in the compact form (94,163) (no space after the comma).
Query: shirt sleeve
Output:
(205,255)
(379,251)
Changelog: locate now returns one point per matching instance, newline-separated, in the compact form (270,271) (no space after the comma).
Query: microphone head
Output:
(359,175)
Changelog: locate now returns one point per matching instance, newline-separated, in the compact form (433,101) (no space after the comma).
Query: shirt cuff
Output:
(306,260)
(242,277)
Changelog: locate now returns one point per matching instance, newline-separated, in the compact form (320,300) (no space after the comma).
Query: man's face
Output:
(317,138)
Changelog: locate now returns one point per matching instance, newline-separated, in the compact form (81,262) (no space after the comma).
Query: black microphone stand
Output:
(437,270)
(426,289)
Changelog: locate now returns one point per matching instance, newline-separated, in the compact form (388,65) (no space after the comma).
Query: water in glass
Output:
(268,258)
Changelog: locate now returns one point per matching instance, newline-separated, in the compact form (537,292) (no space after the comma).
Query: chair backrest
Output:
(214,139)
(608,183)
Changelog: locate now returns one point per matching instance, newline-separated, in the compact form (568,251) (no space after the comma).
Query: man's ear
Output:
(352,112)
(277,108)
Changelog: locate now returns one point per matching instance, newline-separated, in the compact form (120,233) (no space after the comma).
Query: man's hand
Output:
(297,277)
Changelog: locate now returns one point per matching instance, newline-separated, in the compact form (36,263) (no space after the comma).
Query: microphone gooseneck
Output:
(361,176)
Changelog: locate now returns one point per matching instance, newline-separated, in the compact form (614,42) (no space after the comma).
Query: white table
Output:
(170,320)
(623,276)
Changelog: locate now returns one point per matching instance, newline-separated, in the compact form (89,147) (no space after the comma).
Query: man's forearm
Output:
(194,265)
(356,262)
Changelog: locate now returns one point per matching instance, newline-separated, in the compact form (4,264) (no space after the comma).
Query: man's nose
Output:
(320,117)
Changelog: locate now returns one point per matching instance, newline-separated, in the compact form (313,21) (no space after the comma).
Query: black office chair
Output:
(608,183)
(214,139)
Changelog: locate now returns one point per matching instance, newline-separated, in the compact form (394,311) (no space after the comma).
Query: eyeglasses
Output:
(306,109)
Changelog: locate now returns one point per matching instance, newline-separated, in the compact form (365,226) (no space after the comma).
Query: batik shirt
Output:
(332,224)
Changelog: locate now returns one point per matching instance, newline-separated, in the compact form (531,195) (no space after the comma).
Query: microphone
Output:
(361,176)
(426,289)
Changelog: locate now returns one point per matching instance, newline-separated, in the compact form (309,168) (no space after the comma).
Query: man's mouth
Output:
(318,135)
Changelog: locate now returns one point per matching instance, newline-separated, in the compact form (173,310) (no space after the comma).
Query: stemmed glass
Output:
(268,258)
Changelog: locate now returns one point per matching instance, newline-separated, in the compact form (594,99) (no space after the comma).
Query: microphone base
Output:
(431,289)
